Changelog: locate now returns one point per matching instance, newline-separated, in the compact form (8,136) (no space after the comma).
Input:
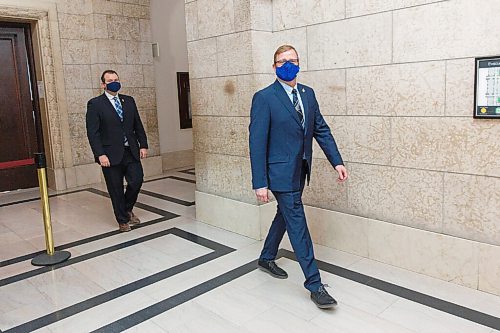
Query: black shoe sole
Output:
(273,275)
(324,306)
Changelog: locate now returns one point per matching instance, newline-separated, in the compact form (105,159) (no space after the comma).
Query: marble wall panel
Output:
(234,54)
(80,7)
(107,7)
(77,76)
(348,43)
(221,135)
(139,53)
(447,29)
(191,12)
(402,196)
(360,139)
(324,191)
(131,76)
(108,51)
(137,11)
(215,18)
(80,149)
(149,75)
(407,90)
(446,144)
(447,258)
(202,57)
(77,99)
(472,207)
(75,51)
(77,127)
(358,8)
(145,29)
(100,26)
(251,14)
(75,26)
(460,87)
(289,14)
(224,175)
(124,28)
(489,268)
(329,87)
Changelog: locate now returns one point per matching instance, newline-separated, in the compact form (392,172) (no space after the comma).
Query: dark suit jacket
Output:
(277,141)
(105,130)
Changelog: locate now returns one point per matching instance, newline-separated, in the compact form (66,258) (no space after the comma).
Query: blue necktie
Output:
(118,108)
(296,104)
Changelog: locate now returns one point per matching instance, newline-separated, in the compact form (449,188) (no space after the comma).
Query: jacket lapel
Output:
(283,97)
(110,106)
(305,103)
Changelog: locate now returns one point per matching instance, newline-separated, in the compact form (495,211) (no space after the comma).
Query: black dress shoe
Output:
(322,299)
(273,269)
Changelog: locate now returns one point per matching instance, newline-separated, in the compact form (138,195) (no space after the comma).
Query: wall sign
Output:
(487,92)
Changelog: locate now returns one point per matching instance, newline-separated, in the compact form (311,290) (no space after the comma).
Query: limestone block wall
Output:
(395,81)
(77,40)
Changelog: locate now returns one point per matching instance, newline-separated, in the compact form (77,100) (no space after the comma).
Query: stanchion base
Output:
(45,259)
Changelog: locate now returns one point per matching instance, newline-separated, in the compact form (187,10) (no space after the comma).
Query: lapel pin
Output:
(123,101)
(303,90)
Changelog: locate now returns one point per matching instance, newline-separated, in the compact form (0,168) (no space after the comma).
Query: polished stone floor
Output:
(174,274)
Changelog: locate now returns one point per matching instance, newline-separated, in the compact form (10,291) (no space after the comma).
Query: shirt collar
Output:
(287,88)
(109,96)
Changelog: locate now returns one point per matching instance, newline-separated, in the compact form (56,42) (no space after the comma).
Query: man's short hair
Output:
(284,48)
(107,71)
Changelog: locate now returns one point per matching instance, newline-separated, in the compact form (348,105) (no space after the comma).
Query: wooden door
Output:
(18,109)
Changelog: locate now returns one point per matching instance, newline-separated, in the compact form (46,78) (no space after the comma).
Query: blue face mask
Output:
(288,71)
(113,86)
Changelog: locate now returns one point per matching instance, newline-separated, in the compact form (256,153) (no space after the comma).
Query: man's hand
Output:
(143,152)
(262,194)
(342,171)
(104,161)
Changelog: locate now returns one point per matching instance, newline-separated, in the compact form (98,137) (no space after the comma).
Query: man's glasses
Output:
(282,61)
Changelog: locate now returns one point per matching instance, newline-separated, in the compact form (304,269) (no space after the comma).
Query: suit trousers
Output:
(290,217)
(130,169)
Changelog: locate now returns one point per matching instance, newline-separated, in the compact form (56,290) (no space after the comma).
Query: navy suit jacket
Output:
(278,142)
(105,130)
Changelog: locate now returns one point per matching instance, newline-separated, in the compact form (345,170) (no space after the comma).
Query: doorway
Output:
(20,122)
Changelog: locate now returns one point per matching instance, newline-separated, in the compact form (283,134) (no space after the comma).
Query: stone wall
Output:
(78,39)
(395,82)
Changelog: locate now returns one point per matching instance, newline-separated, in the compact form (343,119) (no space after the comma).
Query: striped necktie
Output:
(296,104)
(118,108)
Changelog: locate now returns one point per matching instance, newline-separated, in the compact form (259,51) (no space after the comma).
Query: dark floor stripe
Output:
(188,171)
(166,215)
(71,261)
(172,177)
(167,198)
(38,198)
(411,295)
(176,300)
(219,250)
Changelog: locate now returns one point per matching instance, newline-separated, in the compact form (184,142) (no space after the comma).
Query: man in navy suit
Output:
(118,141)
(284,119)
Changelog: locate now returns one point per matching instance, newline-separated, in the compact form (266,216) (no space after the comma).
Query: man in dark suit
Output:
(118,141)
(284,119)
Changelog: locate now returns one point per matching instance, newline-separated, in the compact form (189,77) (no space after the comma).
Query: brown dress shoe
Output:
(124,227)
(133,219)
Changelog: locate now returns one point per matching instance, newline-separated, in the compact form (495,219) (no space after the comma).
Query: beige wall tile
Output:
(460,87)
(472,207)
(191,10)
(152,166)
(202,57)
(80,7)
(145,29)
(131,76)
(77,99)
(149,75)
(139,53)
(75,51)
(107,7)
(108,51)
(221,135)
(100,26)
(177,159)
(215,18)
(224,175)
(295,37)
(456,145)
(77,76)
(233,54)
(257,15)
(290,14)
(75,26)
(360,139)
(445,30)
(329,87)
(407,90)
(137,11)
(403,196)
(124,28)
(489,268)
(357,8)
(145,98)
(77,125)
(88,174)
(353,42)
(324,191)
(448,258)
(262,51)
(82,154)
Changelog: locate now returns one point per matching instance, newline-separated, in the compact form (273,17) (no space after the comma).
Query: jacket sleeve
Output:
(139,128)
(324,137)
(93,124)
(260,118)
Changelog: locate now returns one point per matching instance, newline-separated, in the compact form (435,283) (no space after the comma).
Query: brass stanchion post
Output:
(51,257)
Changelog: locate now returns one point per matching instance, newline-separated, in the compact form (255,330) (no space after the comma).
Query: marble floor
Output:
(175,274)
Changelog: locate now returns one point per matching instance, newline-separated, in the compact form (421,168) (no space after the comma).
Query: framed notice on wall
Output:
(487,93)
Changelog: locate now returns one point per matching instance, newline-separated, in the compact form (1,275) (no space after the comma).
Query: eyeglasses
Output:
(282,61)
